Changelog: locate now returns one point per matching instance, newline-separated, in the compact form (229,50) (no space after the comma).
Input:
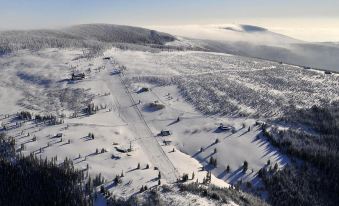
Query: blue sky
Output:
(24,14)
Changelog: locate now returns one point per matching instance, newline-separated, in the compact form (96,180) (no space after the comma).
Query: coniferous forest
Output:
(312,178)
(33,181)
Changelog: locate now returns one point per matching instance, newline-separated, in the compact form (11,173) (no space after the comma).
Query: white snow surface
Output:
(225,84)
(202,89)
(37,82)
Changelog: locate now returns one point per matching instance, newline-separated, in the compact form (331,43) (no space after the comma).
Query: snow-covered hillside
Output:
(224,84)
(154,115)
(253,41)
(38,82)
(97,37)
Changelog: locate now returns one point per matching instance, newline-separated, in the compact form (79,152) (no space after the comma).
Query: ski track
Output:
(143,135)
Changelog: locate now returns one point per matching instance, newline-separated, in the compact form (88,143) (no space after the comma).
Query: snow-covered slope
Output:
(38,82)
(253,41)
(94,36)
(233,85)
(194,91)
(118,33)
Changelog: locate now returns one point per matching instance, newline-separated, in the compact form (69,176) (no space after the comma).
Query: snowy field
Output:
(196,91)
(231,85)
(39,82)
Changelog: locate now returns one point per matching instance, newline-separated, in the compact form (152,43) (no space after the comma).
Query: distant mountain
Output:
(245,40)
(254,41)
(246,28)
(118,33)
(88,35)
(230,33)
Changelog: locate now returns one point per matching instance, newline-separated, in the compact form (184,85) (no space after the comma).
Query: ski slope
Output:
(182,81)
(204,89)
(130,113)
(198,90)
(118,123)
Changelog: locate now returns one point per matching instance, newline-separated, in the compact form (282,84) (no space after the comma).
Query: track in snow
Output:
(143,135)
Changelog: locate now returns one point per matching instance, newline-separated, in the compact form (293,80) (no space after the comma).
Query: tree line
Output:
(34,181)
(312,177)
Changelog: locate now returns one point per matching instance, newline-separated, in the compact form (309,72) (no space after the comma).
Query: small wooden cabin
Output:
(59,135)
(165,133)
(224,127)
(79,76)
(143,89)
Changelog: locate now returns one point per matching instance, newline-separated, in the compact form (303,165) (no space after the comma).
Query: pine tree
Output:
(117,179)
(245,166)
(261,172)
(102,190)
(228,169)
(184,177)
(213,161)
(201,149)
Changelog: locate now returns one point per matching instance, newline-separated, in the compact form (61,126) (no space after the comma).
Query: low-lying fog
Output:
(259,42)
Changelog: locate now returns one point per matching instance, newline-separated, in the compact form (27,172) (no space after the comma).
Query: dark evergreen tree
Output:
(32,181)
(245,166)
(228,169)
